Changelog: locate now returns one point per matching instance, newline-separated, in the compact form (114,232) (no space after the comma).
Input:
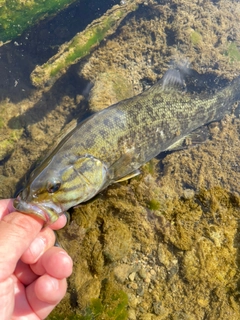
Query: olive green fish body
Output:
(113,143)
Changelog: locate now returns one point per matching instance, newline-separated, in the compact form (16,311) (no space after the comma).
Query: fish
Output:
(111,145)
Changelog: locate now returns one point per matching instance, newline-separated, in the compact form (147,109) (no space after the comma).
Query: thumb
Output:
(17,231)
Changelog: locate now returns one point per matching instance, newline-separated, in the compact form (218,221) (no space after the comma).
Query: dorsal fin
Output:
(173,78)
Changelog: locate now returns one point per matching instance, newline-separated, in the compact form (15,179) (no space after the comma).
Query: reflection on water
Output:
(164,245)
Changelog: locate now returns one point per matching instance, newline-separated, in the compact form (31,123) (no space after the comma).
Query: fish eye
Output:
(53,186)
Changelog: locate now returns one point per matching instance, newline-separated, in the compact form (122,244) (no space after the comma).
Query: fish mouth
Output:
(47,211)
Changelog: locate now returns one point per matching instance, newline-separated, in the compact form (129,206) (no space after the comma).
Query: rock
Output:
(90,290)
(132,314)
(117,240)
(132,276)
(140,291)
(142,273)
(188,194)
(122,271)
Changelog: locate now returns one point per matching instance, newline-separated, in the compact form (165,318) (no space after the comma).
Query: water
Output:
(164,245)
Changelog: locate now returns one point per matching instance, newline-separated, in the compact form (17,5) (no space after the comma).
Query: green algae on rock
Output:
(233,52)
(71,52)
(111,307)
(17,15)
(196,38)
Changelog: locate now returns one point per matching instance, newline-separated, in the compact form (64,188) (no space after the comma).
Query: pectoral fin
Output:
(196,137)
(126,166)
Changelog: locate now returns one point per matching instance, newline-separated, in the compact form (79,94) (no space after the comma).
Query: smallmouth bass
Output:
(112,144)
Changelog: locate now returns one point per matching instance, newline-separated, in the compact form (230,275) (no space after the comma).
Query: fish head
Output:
(53,188)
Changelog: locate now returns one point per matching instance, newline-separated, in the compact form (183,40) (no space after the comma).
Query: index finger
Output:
(17,231)
(6,207)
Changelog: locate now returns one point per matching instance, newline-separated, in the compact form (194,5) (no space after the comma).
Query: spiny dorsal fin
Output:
(173,78)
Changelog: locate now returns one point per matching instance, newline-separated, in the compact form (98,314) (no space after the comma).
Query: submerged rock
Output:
(81,45)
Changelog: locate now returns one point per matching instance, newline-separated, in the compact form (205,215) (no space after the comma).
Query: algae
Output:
(16,16)
(233,52)
(154,204)
(112,309)
(196,38)
(77,51)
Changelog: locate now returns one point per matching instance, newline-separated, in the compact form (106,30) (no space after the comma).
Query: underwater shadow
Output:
(15,69)
(69,85)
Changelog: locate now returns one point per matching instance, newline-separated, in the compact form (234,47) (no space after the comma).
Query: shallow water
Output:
(164,245)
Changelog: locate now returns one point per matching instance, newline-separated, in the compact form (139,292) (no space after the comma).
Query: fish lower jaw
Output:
(45,213)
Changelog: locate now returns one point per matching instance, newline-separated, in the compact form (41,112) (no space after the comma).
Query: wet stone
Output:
(134,286)
(133,300)
(140,291)
(132,314)
(153,272)
(174,270)
(157,308)
(132,276)
(188,194)
(122,271)
(142,273)
(147,280)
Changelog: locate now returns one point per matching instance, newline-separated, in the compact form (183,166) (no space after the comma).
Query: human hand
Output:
(32,271)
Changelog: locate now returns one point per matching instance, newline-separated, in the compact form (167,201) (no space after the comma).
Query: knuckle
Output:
(23,224)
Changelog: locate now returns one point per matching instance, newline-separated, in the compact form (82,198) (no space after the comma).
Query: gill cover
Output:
(91,174)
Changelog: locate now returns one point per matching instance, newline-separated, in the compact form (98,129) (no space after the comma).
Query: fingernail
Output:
(68,258)
(37,247)
(64,253)
(55,284)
